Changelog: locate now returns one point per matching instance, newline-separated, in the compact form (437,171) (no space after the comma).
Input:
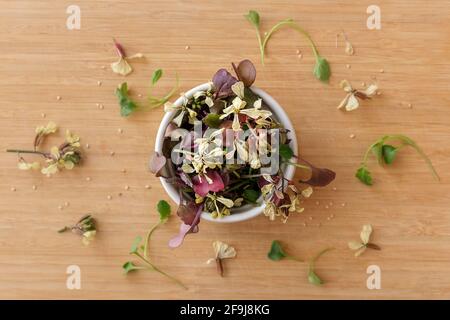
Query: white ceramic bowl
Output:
(248,211)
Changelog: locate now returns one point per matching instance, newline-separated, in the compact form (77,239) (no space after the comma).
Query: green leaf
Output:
(286,151)
(313,278)
(157,74)
(251,195)
(389,152)
(129,266)
(276,252)
(135,245)
(253,18)
(322,69)
(212,120)
(364,176)
(127,106)
(377,150)
(163,210)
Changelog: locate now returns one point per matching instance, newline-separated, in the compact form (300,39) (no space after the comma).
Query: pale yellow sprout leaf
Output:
(352,103)
(22,165)
(223,250)
(307,192)
(349,48)
(238,89)
(355,245)
(360,251)
(121,67)
(227,202)
(371,90)
(365,233)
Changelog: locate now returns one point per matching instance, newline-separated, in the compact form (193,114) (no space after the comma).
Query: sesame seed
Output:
(300,56)
(109,197)
(326,207)
(127,187)
(97,104)
(103,67)
(317,203)
(60,207)
(101,106)
(43,115)
(343,204)
(352,136)
(304,224)
(147,186)
(298,51)
(348,66)
(13,189)
(58,98)
(66,204)
(334,188)
(363,84)
(124,170)
(87,146)
(378,93)
(112,153)
(328,218)
(34,187)
(410,105)
(140,95)
(187,48)
(99,83)
(120,130)
(88,178)
(331,203)
(310,218)
(381,70)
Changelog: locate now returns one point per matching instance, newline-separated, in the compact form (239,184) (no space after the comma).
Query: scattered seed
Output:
(187,48)
(300,56)
(328,218)
(334,188)
(101,106)
(13,189)
(310,218)
(43,115)
(99,83)
(378,93)
(127,187)
(326,207)
(58,98)
(409,105)
(34,187)
(343,204)
(124,170)
(60,207)
(120,130)
(381,70)
(147,186)
(88,178)
(331,216)
(87,146)
(348,66)
(297,51)
(66,204)
(112,153)
(331,203)
(140,95)
(304,224)
(109,197)
(352,136)
(103,67)
(363,84)
(317,203)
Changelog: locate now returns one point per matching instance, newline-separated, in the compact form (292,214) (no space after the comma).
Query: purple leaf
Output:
(186,229)
(157,163)
(320,177)
(202,187)
(223,80)
(245,72)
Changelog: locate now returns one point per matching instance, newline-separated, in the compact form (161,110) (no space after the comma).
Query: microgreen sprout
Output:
(140,250)
(386,153)
(321,70)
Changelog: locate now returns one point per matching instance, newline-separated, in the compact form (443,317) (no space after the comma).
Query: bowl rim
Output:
(281,115)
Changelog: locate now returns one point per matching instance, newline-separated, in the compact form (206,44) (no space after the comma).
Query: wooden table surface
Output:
(41,59)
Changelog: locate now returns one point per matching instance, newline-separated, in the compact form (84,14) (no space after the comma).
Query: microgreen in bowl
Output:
(224,150)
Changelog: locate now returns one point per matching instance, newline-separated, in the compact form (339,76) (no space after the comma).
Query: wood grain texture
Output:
(41,59)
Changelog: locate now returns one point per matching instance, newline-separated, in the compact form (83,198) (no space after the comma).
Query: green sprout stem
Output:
(26,151)
(289,23)
(147,238)
(151,266)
